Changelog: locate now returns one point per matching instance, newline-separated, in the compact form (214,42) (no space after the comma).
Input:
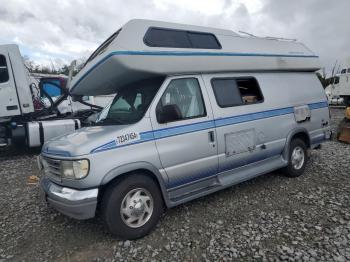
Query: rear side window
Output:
(162,37)
(236,91)
(167,38)
(205,41)
(4,75)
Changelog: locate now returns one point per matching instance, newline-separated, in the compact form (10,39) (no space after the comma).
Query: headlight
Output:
(75,169)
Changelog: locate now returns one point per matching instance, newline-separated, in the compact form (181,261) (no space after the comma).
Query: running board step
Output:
(196,188)
(247,172)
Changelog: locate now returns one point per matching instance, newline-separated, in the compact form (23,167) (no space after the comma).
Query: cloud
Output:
(320,24)
(66,30)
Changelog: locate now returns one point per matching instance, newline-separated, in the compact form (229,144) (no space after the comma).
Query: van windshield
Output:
(130,103)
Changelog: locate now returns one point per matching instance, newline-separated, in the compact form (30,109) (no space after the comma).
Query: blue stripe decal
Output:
(189,128)
(318,105)
(254,116)
(181,53)
(174,131)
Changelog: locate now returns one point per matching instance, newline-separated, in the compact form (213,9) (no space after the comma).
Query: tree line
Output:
(54,67)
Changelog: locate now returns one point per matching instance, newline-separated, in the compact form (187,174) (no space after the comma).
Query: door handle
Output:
(211,136)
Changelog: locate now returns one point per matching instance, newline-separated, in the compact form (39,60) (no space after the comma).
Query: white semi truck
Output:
(36,108)
(342,85)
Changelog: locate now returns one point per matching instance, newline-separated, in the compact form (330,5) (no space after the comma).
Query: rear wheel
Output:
(132,207)
(297,158)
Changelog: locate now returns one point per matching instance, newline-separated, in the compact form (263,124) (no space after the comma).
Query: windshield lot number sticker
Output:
(128,138)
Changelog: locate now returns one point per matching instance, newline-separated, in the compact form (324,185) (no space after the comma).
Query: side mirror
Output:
(169,113)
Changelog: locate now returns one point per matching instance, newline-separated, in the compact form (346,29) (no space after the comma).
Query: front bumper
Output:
(79,204)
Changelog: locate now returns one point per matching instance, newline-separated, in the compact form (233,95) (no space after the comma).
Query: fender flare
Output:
(297,130)
(120,170)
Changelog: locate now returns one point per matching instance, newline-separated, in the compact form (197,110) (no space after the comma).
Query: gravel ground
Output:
(269,218)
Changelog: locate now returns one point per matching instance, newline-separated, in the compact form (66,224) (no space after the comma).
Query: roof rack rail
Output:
(280,38)
(269,37)
(246,33)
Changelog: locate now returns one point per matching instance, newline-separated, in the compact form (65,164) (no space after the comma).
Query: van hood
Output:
(83,141)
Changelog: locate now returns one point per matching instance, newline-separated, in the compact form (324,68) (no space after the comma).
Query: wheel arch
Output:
(132,168)
(300,133)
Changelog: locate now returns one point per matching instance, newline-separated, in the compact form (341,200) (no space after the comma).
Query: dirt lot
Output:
(269,218)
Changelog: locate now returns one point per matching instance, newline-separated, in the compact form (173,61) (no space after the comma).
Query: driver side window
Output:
(181,100)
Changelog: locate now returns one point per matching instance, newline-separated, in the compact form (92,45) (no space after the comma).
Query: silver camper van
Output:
(196,110)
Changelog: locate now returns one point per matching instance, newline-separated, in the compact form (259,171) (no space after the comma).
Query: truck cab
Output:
(35,108)
(15,95)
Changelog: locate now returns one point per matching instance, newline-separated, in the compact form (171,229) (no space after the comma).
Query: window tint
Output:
(161,37)
(4,75)
(236,91)
(348,70)
(186,95)
(226,92)
(205,41)
(167,38)
(343,71)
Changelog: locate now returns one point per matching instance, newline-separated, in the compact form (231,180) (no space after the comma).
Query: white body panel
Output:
(128,58)
(343,87)
(38,132)
(15,96)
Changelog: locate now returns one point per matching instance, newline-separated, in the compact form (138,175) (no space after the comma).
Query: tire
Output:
(346,100)
(296,167)
(131,207)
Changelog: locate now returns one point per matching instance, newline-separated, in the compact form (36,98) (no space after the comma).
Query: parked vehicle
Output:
(189,118)
(33,107)
(341,85)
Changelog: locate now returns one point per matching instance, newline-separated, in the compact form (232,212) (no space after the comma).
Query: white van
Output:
(197,110)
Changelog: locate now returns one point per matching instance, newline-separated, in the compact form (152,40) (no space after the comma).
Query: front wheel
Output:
(131,207)
(297,158)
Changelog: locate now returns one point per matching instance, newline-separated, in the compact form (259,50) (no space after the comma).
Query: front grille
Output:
(52,166)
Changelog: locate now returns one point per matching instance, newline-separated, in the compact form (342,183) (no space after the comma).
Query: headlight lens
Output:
(81,168)
(75,169)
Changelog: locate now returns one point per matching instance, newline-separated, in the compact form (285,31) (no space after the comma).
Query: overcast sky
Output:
(63,30)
